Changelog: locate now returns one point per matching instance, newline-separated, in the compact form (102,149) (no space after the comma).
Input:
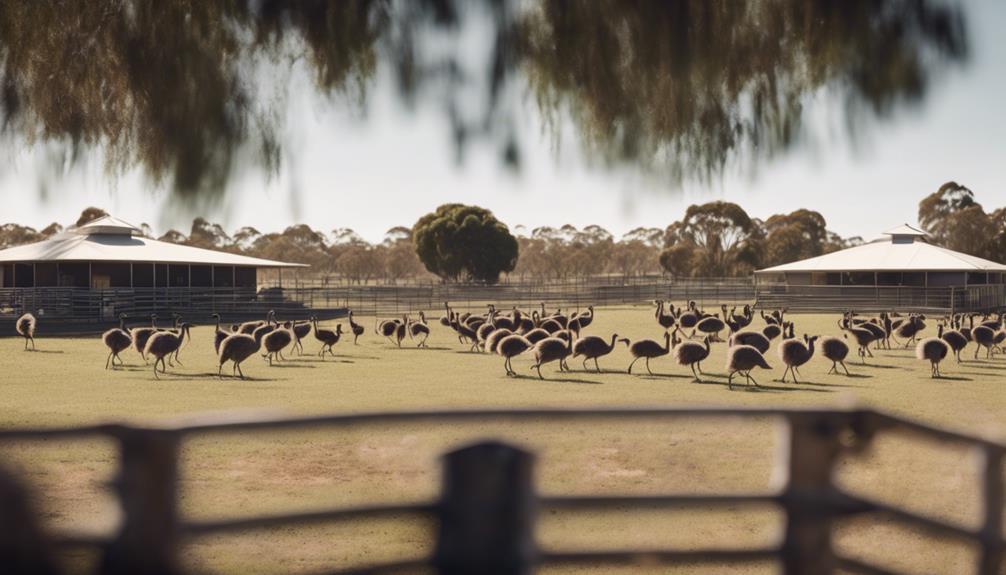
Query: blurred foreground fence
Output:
(486,513)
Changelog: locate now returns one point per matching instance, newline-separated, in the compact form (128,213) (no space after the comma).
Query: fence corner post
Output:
(147,540)
(487,512)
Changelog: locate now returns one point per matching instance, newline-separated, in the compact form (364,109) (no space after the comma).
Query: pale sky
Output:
(388,166)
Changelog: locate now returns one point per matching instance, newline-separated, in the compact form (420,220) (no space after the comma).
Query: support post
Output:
(991,561)
(814,446)
(487,512)
(146,483)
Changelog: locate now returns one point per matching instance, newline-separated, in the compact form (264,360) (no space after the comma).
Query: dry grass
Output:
(65,383)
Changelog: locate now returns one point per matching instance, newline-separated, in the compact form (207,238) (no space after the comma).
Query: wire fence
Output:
(488,507)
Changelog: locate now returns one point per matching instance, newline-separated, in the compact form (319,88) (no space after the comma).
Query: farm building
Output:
(901,271)
(94,272)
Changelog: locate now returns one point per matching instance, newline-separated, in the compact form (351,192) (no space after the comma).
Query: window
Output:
(978,278)
(833,279)
(46,275)
(202,276)
(24,275)
(114,275)
(75,274)
(223,276)
(178,276)
(858,279)
(7,275)
(160,275)
(888,278)
(245,277)
(915,279)
(143,275)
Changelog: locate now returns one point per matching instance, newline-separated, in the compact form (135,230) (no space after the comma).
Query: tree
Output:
(207,235)
(173,237)
(89,215)
(458,241)
(14,235)
(718,230)
(679,259)
(937,210)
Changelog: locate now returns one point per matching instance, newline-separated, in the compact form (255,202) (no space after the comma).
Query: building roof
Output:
(109,239)
(892,254)
(906,230)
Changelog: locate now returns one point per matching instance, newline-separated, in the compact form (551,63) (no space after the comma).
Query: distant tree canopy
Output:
(175,86)
(465,242)
(954,219)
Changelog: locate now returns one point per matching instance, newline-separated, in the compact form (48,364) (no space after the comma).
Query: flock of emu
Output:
(688,335)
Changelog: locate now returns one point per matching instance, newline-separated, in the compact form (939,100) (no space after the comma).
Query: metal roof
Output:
(111,240)
(905,230)
(888,254)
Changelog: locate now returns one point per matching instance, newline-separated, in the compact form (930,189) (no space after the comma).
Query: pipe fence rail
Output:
(487,509)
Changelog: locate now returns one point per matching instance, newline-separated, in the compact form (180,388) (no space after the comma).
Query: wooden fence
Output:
(486,513)
(952,299)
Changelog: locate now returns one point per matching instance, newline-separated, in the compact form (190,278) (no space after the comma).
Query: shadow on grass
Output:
(878,366)
(290,365)
(556,378)
(951,378)
(764,387)
(44,350)
(427,348)
(664,376)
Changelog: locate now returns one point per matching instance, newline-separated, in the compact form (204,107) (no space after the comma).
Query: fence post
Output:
(487,512)
(146,485)
(815,443)
(991,557)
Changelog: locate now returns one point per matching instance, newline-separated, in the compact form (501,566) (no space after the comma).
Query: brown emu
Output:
(665,320)
(356,328)
(755,339)
(142,334)
(985,337)
(219,334)
(276,341)
(692,354)
(300,329)
(955,339)
(535,335)
(836,350)
(419,328)
(593,347)
(647,349)
(116,340)
(795,353)
(26,328)
(863,337)
(581,320)
(493,340)
(742,359)
(933,350)
(238,347)
(327,337)
(164,343)
(510,347)
(551,349)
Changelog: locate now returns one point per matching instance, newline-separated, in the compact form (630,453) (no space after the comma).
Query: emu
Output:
(276,341)
(249,327)
(795,353)
(593,347)
(955,339)
(356,328)
(493,339)
(327,337)
(692,354)
(142,334)
(26,328)
(863,337)
(647,349)
(755,339)
(419,328)
(116,340)
(239,347)
(219,334)
(836,350)
(665,320)
(164,343)
(985,337)
(581,320)
(742,359)
(510,347)
(551,349)
(711,326)
(933,350)
(537,334)
(300,330)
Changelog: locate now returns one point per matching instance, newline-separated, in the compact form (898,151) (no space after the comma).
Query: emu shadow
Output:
(45,351)
(290,365)
(665,376)
(951,378)
(557,379)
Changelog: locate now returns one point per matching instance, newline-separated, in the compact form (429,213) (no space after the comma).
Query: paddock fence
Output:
(488,506)
(950,299)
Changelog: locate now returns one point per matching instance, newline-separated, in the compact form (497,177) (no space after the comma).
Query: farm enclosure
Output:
(246,474)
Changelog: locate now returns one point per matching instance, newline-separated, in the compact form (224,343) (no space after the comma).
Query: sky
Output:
(385,166)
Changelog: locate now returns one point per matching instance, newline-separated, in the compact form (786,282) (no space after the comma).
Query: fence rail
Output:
(487,509)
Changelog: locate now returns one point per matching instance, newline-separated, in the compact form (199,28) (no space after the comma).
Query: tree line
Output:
(467,243)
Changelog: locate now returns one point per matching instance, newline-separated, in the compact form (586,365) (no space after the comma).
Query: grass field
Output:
(65,383)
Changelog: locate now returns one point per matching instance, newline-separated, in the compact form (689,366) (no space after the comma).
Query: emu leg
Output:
(631,364)
(648,366)
(845,368)
(597,366)
(108,359)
